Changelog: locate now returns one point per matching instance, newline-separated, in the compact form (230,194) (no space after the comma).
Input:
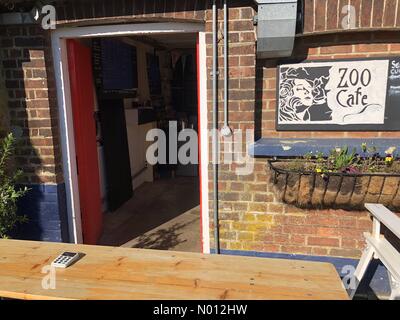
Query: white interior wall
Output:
(141,171)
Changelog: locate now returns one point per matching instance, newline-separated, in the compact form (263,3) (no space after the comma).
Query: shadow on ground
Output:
(161,215)
(163,239)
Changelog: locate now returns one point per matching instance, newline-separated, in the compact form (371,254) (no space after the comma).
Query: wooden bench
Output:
(126,273)
(380,248)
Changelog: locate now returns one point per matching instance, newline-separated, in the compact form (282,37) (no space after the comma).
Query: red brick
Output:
(281,238)
(326,232)
(398,16)
(377,18)
(347,253)
(296,249)
(336,49)
(35,84)
(246,13)
(365,225)
(322,221)
(322,241)
(366,10)
(298,230)
(319,251)
(349,243)
(332,14)
(297,239)
(389,14)
(395,47)
(241,25)
(320,15)
(357,6)
(309,15)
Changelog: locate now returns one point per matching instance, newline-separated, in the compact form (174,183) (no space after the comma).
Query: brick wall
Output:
(327,15)
(251,217)
(27,69)
(98,12)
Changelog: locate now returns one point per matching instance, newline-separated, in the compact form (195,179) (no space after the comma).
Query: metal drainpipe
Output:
(226,130)
(215,128)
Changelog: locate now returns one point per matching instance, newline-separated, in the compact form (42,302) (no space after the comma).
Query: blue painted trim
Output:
(46,208)
(274,147)
(379,284)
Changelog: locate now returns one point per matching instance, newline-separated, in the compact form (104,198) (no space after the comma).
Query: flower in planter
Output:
(364,147)
(352,170)
(389,159)
(390,151)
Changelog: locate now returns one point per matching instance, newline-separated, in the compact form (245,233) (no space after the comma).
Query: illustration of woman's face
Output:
(303,90)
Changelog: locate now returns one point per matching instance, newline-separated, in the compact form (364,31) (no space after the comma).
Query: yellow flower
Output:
(318,170)
(389,159)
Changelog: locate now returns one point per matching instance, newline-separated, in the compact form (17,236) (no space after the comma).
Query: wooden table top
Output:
(126,273)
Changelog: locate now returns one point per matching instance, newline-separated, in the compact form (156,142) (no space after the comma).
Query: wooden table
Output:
(126,273)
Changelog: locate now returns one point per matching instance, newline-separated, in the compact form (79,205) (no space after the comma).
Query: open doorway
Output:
(143,83)
(158,207)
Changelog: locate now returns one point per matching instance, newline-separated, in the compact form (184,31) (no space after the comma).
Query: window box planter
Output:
(335,190)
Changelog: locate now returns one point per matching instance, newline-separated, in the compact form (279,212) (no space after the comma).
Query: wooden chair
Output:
(380,248)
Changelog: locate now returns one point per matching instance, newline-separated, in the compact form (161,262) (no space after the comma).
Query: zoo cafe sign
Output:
(339,95)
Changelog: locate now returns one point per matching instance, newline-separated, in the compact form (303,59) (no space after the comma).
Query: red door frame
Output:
(82,100)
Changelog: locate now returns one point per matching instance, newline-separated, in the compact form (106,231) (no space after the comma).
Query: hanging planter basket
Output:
(349,191)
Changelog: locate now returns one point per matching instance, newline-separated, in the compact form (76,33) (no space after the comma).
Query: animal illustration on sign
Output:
(346,92)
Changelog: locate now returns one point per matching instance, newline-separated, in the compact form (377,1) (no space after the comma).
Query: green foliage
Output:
(342,158)
(9,194)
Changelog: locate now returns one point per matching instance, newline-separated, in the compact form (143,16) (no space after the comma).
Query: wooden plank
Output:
(385,216)
(127,273)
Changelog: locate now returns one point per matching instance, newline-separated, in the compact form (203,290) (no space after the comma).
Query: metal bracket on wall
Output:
(276,28)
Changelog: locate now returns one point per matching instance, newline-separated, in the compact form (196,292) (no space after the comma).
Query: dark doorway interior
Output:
(116,152)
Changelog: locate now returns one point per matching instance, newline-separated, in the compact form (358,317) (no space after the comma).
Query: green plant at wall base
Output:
(9,193)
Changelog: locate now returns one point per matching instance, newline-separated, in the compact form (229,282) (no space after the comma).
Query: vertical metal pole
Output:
(226,131)
(225,63)
(215,129)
